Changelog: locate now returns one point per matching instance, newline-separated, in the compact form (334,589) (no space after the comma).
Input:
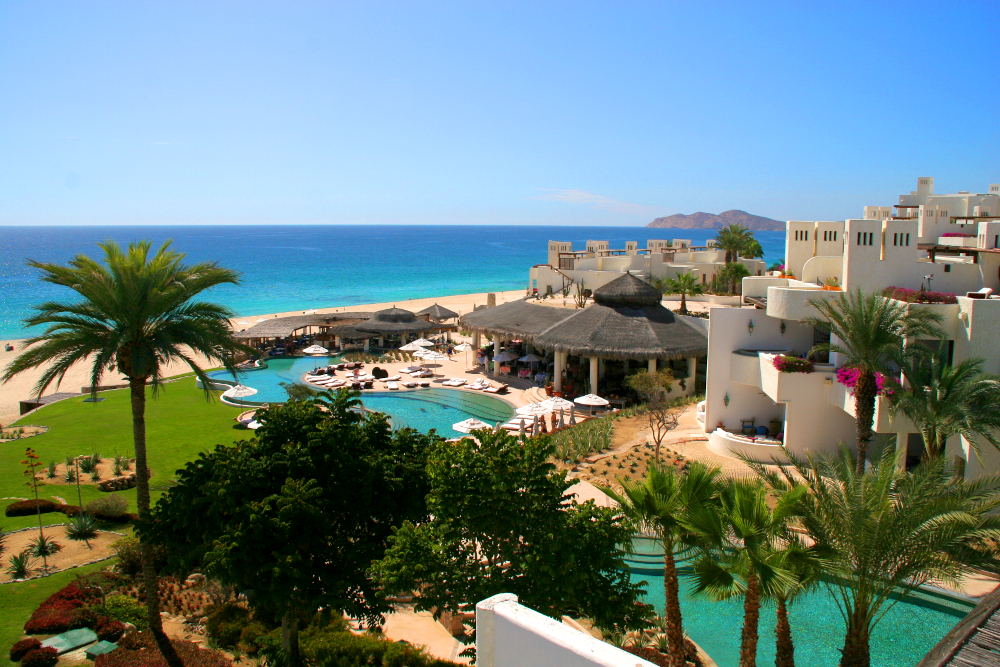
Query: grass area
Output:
(180,423)
(17,601)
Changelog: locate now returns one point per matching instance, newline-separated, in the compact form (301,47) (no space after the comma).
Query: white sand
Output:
(22,387)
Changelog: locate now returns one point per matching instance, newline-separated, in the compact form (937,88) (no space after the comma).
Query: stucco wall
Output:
(509,634)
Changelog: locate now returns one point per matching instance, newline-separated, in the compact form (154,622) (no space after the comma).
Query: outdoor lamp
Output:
(726,399)
(750,327)
(782,327)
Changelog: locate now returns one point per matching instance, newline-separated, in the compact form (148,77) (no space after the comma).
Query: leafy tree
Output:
(888,531)
(869,333)
(778,265)
(944,400)
(684,284)
(804,565)
(136,314)
(752,249)
(500,522)
(31,463)
(735,241)
(741,539)
(661,415)
(295,517)
(731,275)
(658,505)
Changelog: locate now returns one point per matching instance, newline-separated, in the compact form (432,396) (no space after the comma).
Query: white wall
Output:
(509,634)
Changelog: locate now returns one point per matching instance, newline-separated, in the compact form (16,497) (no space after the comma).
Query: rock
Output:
(129,628)
(203,620)
(165,615)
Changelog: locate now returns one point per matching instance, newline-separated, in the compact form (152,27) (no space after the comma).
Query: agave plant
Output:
(95,475)
(87,465)
(52,470)
(616,639)
(70,474)
(3,539)
(20,566)
(43,546)
(81,527)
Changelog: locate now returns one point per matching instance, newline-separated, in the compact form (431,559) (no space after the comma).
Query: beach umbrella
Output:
(572,418)
(315,349)
(470,425)
(412,347)
(310,312)
(262,319)
(591,401)
(562,418)
(558,403)
(535,409)
(520,430)
(464,347)
(242,322)
(530,358)
(505,356)
(239,391)
(423,342)
(536,430)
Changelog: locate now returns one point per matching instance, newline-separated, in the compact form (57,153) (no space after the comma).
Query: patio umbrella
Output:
(239,391)
(520,430)
(254,425)
(591,401)
(505,356)
(315,349)
(469,425)
(464,347)
(411,347)
(558,403)
(423,342)
(562,418)
(535,409)
(530,358)
(535,428)
(572,418)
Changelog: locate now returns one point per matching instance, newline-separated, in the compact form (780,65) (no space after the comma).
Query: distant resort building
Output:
(926,243)
(598,264)
(626,329)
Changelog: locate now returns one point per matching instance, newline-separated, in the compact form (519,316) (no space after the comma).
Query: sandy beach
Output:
(22,387)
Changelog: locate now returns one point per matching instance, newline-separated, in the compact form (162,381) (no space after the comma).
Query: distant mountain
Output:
(709,221)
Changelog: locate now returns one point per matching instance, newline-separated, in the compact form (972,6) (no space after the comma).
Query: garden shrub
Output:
(62,611)
(786,364)
(29,507)
(226,624)
(130,557)
(918,296)
(345,649)
(139,650)
(40,657)
(125,609)
(109,629)
(69,510)
(20,648)
(253,637)
(112,507)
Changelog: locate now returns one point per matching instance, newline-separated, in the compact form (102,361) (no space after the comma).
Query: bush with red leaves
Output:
(661,659)
(139,650)
(62,611)
(109,629)
(29,507)
(21,647)
(40,657)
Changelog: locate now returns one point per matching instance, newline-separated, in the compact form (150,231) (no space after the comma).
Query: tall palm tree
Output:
(734,239)
(944,400)
(804,564)
(684,284)
(657,506)
(136,314)
(732,275)
(889,532)
(741,543)
(870,333)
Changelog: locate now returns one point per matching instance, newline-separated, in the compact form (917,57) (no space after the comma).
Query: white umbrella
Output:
(470,425)
(254,425)
(591,401)
(315,349)
(430,355)
(263,319)
(505,356)
(558,403)
(572,418)
(310,312)
(520,430)
(242,322)
(535,409)
(464,347)
(530,358)
(423,342)
(239,391)
(562,419)
(535,428)
(411,347)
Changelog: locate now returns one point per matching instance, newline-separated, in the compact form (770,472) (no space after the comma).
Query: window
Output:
(895,239)
(907,239)
(947,268)
(865,238)
(835,236)
(996,240)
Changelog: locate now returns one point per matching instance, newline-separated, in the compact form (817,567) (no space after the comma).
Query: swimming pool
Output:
(910,629)
(423,409)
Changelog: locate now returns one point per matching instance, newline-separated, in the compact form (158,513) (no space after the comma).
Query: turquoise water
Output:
(901,639)
(297,267)
(423,410)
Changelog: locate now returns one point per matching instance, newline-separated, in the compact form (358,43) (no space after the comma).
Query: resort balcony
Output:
(745,366)
(788,387)
(762,449)
(792,302)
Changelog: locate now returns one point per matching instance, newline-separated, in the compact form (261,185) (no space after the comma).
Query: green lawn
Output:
(180,423)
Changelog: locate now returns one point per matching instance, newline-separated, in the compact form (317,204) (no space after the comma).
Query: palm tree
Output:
(684,284)
(888,531)
(733,239)
(944,400)
(804,564)
(870,332)
(137,313)
(732,274)
(741,543)
(657,506)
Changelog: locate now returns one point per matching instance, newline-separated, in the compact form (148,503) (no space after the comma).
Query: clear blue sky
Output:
(488,112)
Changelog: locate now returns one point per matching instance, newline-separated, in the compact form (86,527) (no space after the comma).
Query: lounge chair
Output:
(500,389)
(392,385)
(425,383)
(410,369)
(368,384)
(980,294)
(454,382)
(394,378)
(409,385)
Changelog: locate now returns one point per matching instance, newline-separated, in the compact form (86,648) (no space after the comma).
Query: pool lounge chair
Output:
(410,369)
(454,382)
(426,384)
(394,378)
(499,389)
(392,385)
(409,385)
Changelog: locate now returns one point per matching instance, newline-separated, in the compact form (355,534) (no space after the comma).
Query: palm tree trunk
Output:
(672,626)
(751,619)
(856,651)
(784,650)
(865,392)
(290,639)
(137,386)
(684,307)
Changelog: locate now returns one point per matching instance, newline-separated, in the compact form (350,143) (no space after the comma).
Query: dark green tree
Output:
(503,524)
(296,516)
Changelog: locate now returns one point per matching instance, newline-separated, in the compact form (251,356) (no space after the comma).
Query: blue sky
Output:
(487,112)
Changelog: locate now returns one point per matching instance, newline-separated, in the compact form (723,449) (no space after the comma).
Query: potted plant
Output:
(774,426)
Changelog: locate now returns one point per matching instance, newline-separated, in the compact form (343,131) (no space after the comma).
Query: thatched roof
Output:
(437,312)
(397,320)
(282,327)
(626,322)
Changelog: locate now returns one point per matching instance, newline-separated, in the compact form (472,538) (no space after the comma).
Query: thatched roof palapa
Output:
(437,312)
(282,327)
(396,320)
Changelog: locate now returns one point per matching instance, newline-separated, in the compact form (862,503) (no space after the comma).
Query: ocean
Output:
(298,267)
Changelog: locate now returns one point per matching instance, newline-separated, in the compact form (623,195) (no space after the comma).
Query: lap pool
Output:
(422,409)
(910,629)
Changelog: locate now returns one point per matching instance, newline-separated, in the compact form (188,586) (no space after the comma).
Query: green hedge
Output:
(344,649)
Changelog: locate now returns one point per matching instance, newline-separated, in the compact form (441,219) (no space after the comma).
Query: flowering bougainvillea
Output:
(786,364)
(848,376)
(918,296)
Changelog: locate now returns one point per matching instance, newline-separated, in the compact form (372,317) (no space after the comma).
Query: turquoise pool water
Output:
(423,410)
(901,639)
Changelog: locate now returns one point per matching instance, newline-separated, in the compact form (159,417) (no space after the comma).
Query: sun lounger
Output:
(394,378)
(392,385)
(496,390)
(454,382)
(424,383)
(410,369)
(409,385)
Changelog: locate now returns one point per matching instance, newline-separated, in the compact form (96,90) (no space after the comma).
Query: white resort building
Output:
(935,243)
(598,264)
